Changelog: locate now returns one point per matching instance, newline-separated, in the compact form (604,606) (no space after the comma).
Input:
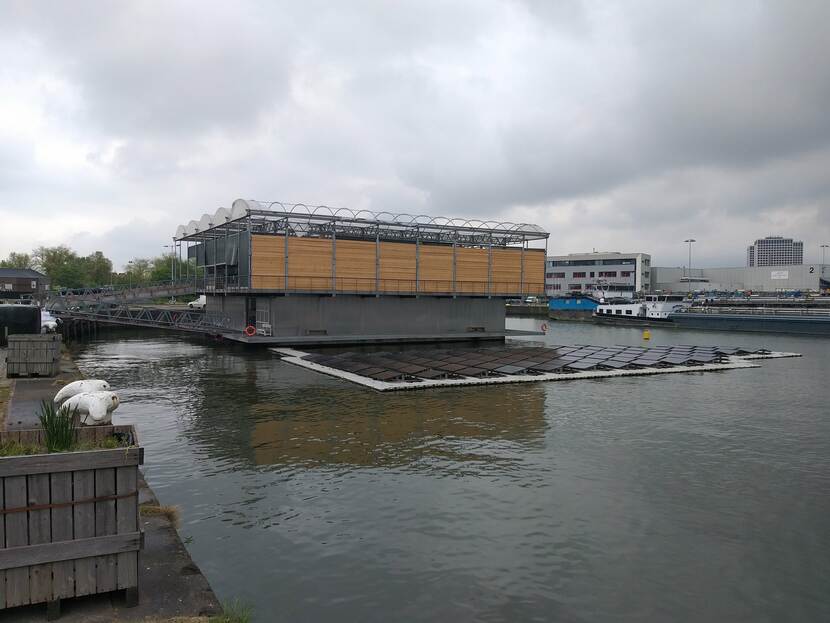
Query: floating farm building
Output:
(300,274)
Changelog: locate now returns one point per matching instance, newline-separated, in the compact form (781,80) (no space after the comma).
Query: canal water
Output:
(684,497)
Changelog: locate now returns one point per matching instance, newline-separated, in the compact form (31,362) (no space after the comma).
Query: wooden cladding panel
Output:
(471,270)
(435,269)
(267,262)
(355,263)
(397,267)
(310,267)
(506,271)
(534,272)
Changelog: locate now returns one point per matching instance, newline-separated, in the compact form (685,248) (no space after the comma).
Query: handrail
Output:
(758,311)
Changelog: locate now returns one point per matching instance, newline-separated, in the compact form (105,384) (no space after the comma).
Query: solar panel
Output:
(510,369)
(582,365)
(616,363)
(471,372)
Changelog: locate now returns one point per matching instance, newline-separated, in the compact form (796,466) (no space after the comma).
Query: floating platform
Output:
(421,369)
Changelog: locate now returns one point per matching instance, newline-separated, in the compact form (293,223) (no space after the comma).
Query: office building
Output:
(609,274)
(775,251)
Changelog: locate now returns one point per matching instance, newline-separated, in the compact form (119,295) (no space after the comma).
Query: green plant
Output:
(233,612)
(57,424)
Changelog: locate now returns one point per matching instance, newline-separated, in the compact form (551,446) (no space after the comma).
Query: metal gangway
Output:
(124,293)
(157,317)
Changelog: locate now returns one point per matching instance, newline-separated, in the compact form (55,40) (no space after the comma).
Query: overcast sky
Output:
(625,126)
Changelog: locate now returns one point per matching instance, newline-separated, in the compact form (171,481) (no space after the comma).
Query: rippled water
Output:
(684,497)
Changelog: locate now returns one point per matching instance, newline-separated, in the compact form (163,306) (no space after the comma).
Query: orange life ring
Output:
(250,331)
(544,327)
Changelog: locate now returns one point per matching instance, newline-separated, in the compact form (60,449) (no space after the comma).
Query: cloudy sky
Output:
(617,125)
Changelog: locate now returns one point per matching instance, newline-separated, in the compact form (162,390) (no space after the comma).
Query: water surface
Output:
(684,497)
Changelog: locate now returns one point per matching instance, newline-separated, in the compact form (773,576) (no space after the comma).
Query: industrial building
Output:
(775,251)
(787,278)
(23,283)
(300,272)
(610,274)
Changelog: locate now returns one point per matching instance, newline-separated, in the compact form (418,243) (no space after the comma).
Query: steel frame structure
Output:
(323,221)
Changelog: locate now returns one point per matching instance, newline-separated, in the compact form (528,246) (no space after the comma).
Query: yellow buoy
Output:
(646,334)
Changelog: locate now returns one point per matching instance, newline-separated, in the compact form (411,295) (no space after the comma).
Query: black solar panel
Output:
(510,369)
(582,365)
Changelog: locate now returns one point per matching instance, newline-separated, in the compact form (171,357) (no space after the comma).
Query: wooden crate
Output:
(70,522)
(34,355)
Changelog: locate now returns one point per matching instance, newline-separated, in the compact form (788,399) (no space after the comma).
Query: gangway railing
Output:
(133,292)
(153,317)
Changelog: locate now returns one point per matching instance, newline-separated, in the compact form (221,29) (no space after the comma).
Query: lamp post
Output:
(823,248)
(689,278)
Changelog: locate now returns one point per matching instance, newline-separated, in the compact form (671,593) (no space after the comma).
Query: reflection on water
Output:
(681,497)
(404,429)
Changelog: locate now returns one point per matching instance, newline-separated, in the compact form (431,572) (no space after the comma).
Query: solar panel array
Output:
(416,365)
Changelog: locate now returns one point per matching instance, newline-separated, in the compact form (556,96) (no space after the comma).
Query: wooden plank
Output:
(397,267)
(126,520)
(83,517)
(80,550)
(68,461)
(355,265)
(17,535)
(40,531)
(435,268)
(471,269)
(3,545)
(63,573)
(105,566)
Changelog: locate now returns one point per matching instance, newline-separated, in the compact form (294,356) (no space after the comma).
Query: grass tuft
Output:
(234,612)
(161,510)
(57,423)
(15,448)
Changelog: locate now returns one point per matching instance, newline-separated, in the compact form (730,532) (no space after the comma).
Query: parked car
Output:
(199,303)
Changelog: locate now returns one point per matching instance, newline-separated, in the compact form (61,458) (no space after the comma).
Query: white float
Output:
(79,387)
(95,408)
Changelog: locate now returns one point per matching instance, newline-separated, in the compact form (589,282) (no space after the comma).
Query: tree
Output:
(17,260)
(98,269)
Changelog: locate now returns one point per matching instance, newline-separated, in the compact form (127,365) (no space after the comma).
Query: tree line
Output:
(66,269)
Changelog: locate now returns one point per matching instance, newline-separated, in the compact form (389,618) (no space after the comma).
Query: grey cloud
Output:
(638,121)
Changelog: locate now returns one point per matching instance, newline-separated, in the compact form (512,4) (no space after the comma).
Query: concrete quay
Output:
(171,586)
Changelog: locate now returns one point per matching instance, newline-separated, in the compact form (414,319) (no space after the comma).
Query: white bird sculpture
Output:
(94,407)
(78,387)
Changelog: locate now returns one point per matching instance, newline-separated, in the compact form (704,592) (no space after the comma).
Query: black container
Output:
(18,319)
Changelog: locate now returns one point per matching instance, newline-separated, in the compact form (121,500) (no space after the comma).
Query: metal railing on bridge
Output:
(146,316)
(130,292)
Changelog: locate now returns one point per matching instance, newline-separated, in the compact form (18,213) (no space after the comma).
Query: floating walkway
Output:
(421,369)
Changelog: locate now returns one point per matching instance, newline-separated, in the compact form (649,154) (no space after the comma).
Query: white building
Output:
(610,274)
(775,251)
(789,278)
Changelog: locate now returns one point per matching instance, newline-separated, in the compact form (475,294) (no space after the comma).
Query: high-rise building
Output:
(775,251)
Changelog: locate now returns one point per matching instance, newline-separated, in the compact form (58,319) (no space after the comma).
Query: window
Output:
(592,274)
(628,312)
(610,273)
(555,286)
(557,275)
(619,312)
(579,275)
(625,273)
(34,285)
(575,286)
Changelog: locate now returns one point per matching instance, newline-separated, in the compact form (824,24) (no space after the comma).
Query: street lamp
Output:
(823,247)
(689,279)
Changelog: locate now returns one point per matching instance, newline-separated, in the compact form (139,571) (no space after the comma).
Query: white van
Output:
(199,303)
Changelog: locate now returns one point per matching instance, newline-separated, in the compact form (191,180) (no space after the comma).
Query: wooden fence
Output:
(69,520)
(34,355)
